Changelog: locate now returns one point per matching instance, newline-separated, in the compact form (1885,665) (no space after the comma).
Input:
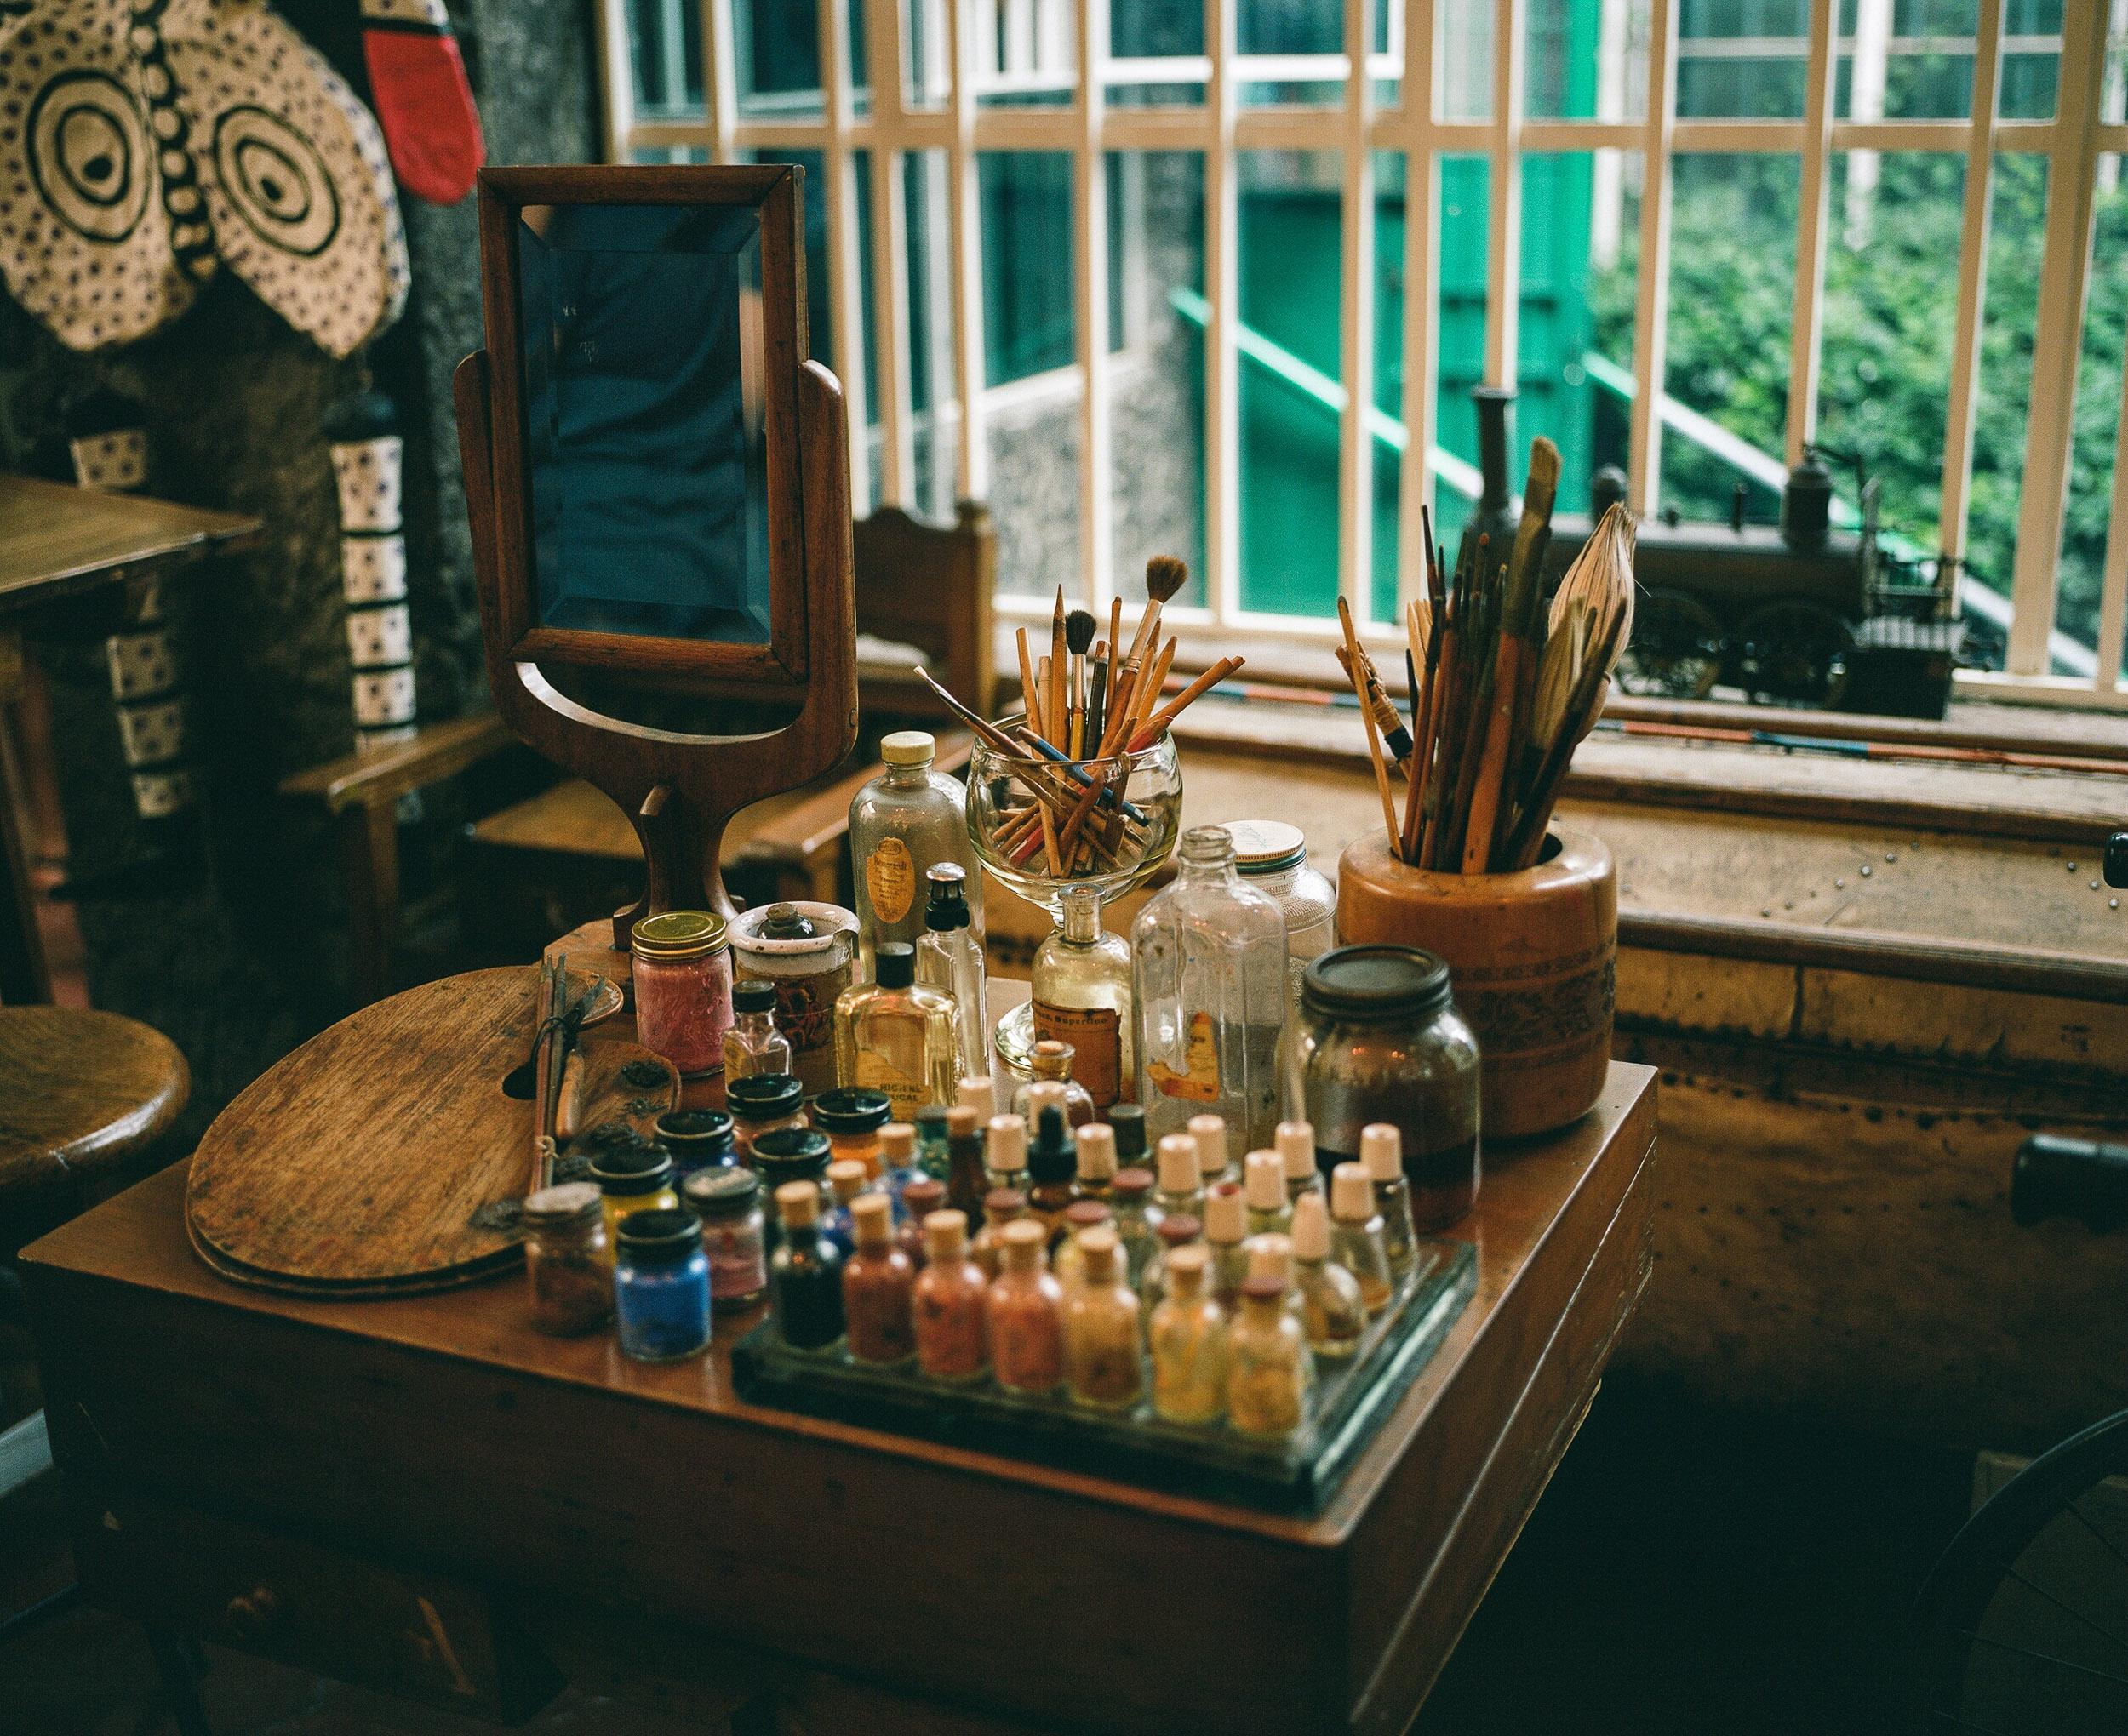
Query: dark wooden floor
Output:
(1689,1571)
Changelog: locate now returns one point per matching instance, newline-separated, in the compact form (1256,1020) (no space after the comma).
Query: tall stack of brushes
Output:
(1089,705)
(1501,691)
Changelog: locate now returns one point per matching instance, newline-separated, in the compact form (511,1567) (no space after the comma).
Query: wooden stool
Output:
(88,1090)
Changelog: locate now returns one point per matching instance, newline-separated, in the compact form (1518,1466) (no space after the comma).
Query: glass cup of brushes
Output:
(1043,826)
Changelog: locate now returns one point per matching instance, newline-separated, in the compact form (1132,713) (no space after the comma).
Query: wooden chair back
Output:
(929,585)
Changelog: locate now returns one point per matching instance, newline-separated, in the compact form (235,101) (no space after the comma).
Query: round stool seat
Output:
(84,1090)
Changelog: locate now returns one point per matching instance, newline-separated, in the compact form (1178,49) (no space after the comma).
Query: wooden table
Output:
(427,1496)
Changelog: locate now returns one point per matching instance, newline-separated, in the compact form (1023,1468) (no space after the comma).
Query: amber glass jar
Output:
(567,1260)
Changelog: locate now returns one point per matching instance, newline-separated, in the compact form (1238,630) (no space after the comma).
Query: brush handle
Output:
(1158,723)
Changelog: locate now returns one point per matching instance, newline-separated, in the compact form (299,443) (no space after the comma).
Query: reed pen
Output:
(1355,667)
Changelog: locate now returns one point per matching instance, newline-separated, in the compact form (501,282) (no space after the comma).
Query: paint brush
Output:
(1030,700)
(1096,693)
(1054,713)
(1079,635)
(1157,725)
(1353,667)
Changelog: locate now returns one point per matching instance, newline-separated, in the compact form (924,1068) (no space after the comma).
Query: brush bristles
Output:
(1164,575)
(1079,631)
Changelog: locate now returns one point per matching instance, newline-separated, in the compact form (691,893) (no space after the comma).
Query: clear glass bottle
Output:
(567,1260)
(1331,1312)
(805,1273)
(901,823)
(1263,1186)
(1001,1205)
(846,1179)
(949,959)
(897,1163)
(1297,1148)
(1052,1157)
(1177,1229)
(895,1038)
(1136,1219)
(878,1279)
(1026,1323)
(1269,1370)
(660,1287)
(1208,984)
(1187,1336)
(1216,1160)
(1356,1242)
(1104,1363)
(1182,1183)
(1226,1234)
(1096,1176)
(934,1154)
(1065,1260)
(735,1235)
(1005,1153)
(1080,984)
(1271,856)
(1271,1256)
(1381,1155)
(753,1044)
(1052,1064)
(951,1333)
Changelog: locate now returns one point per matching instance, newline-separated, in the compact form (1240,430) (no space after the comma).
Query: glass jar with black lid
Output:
(661,1301)
(727,1201)
(763,1103)
(1378,1039)
(786,1155)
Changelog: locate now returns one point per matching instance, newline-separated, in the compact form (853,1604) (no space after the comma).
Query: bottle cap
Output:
(893,964)
(873,1215)
(786,921)
(847,1177)
(1132,1185)
(790,1145)
(1005,1149)
(1052,1159)
(1096,1151)
(659,1238)
(1045,1094)
(1227,1214)
(945,874)
(1023,1240)
(1186,1270)
(1266,846)
(851,1109)
(1381,1152)
(699,1135)
(1265,1178)
(1376,984)
(1052,1058)
(1295,1140)
(798,1204)
(980,1094)
(1311,1227)
(1083,1214)
(945,1236)
(1263,1289)
(551,1208)
(755,995)
(963,1121)
(946,908)
(1129,1121)
(678,934)
(1178,1164)
(897,1144)
(1271,1256)
(629,1170)
(923,1195)
(1179,1229)
(720,1191)
(1209,1132)
(908,747)
(759,1096)
(1097,1248)
(1352,1194)
(931,1122)
(1001,1205)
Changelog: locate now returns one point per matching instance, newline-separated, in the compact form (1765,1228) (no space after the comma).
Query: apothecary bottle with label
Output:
(892,1036)
(1080,983)
(900,824)
(950,959)
(1209,983)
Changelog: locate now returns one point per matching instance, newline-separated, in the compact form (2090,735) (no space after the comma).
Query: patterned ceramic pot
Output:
(1534,960)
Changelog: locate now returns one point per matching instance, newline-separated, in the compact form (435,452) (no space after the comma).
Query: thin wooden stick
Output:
(1356,669)
(1054,718)
(1030,699)
(1157,725)
(1149,693)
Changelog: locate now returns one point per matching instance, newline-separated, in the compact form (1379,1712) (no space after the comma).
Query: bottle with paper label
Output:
(1081,994)
(895,1037)
(900,824)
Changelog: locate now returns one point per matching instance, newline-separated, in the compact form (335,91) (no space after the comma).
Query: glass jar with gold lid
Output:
(683,985)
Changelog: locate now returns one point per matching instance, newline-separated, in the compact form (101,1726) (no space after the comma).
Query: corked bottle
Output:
(1096,1173)
(1268,1368)
(1187,1336)
(1026,1346)
(1381,1155)
(1104,1364)
(805,1277)
(1356,1241)
(877,1280)
(1001,1205)
(1263,1184)
(952,1339)
(922,1199)
(965,1185)
(1331,1312)
(1068,1262)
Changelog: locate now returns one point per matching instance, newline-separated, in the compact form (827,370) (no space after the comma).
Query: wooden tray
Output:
(356,1167)
(1213,1463)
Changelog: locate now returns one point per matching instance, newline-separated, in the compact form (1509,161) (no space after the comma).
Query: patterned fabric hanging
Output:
(141,144)
(366,453)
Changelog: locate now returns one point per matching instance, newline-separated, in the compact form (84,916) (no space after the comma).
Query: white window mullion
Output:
(963,39)
(845,260)
(1503,233)
(2113,601)
(1651,306)
(1422,294)
(1356,325)
(1813,208)
(1090,300)
(1972,289)
(890,257)
(2057,340)
(1223,285)
(720,83)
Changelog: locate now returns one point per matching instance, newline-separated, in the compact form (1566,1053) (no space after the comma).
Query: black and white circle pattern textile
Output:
(368,473)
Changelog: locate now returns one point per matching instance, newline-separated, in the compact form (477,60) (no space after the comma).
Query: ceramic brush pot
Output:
(1533,959)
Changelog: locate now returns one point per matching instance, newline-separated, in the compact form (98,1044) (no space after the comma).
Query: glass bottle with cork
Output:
(1187,1337)
(681,973)
(753,1044)
(965,1183)
(846,1181)
(1331,1312)
(1080,985)
(1136,1219)
(1005,1153)
(1052,1157)
(1296,1146)
(1025,1322)
(1269,1370)
(877,1282)
(1356,1241)
(1177,1229)
(892,1036)
(1181,1187)
(1263,1186)
(805,1274)
(950,1297)
(1052,1064)
(1001,1205)
(1381,1153)
(1216,1159)
(897,1162)
(923,1198)
(1127,1121)
(949,959)
(901,823)
(1104,1363)
(1080,1216)
(1209,987)
(1096,1176)
(567,1259)
(933,1154)
(1226,1234)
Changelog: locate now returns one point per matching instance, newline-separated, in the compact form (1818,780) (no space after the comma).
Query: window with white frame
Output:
(1117,267)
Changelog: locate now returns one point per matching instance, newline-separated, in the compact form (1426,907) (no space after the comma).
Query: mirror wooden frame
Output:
(679,790)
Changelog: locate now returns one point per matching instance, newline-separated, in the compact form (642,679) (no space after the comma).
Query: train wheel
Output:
(1793,651)
(1676,652)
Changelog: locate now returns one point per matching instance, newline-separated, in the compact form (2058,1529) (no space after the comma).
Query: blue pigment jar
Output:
(661,1286)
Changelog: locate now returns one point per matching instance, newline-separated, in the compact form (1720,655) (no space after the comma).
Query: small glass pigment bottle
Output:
(683,989)
(1027,1344)
(951,1296)
(1271,1256)
(922,1199)
(897,1162)
(1096,1173)
(931,1134)
(753,1044)
(1001,1205)
(1268,1368)
(789,1154)
(1051,1061)
(1052,1158)
(1271,856)
(698,1138)
(892,1036)
(1181,1185)
(965,1183)
(762,1103)
(846,1179)
(1187,1336)
(632,1178)
(805,1276)
(1296,1147)
(1263,1184)
(567,1259)
(1138,1220)
(1069,1263)
(1080,982)
(1356,1241)
(1226,1234)
(949,959)
(1177,1229)
(851,1117)
(1216,1160)
(900,824)
(1005,1153)
(661,1286)
(877,1280)
(727,1201)
(1128,1122)
(1381,1153)
(1331,1312)
(1104,1365)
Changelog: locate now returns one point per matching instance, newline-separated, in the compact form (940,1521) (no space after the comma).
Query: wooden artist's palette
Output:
(356,1167)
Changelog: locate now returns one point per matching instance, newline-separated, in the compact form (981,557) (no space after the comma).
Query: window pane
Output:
(1154,30)
(1466,224)
(776,51)
(936,419)
(665,42)
(1465,67)
(1385,447)
(1156,313)
(2032,58)
(1286,33)
(1291,202)
(1027,53)
(2098,386)
(1587,59)
(861,174)
(927,76)
(1732,295)
(1742,59)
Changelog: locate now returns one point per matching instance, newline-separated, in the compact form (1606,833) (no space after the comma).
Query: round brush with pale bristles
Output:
(1078,637)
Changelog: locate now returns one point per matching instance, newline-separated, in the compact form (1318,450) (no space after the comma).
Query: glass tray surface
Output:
(1294,1475)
